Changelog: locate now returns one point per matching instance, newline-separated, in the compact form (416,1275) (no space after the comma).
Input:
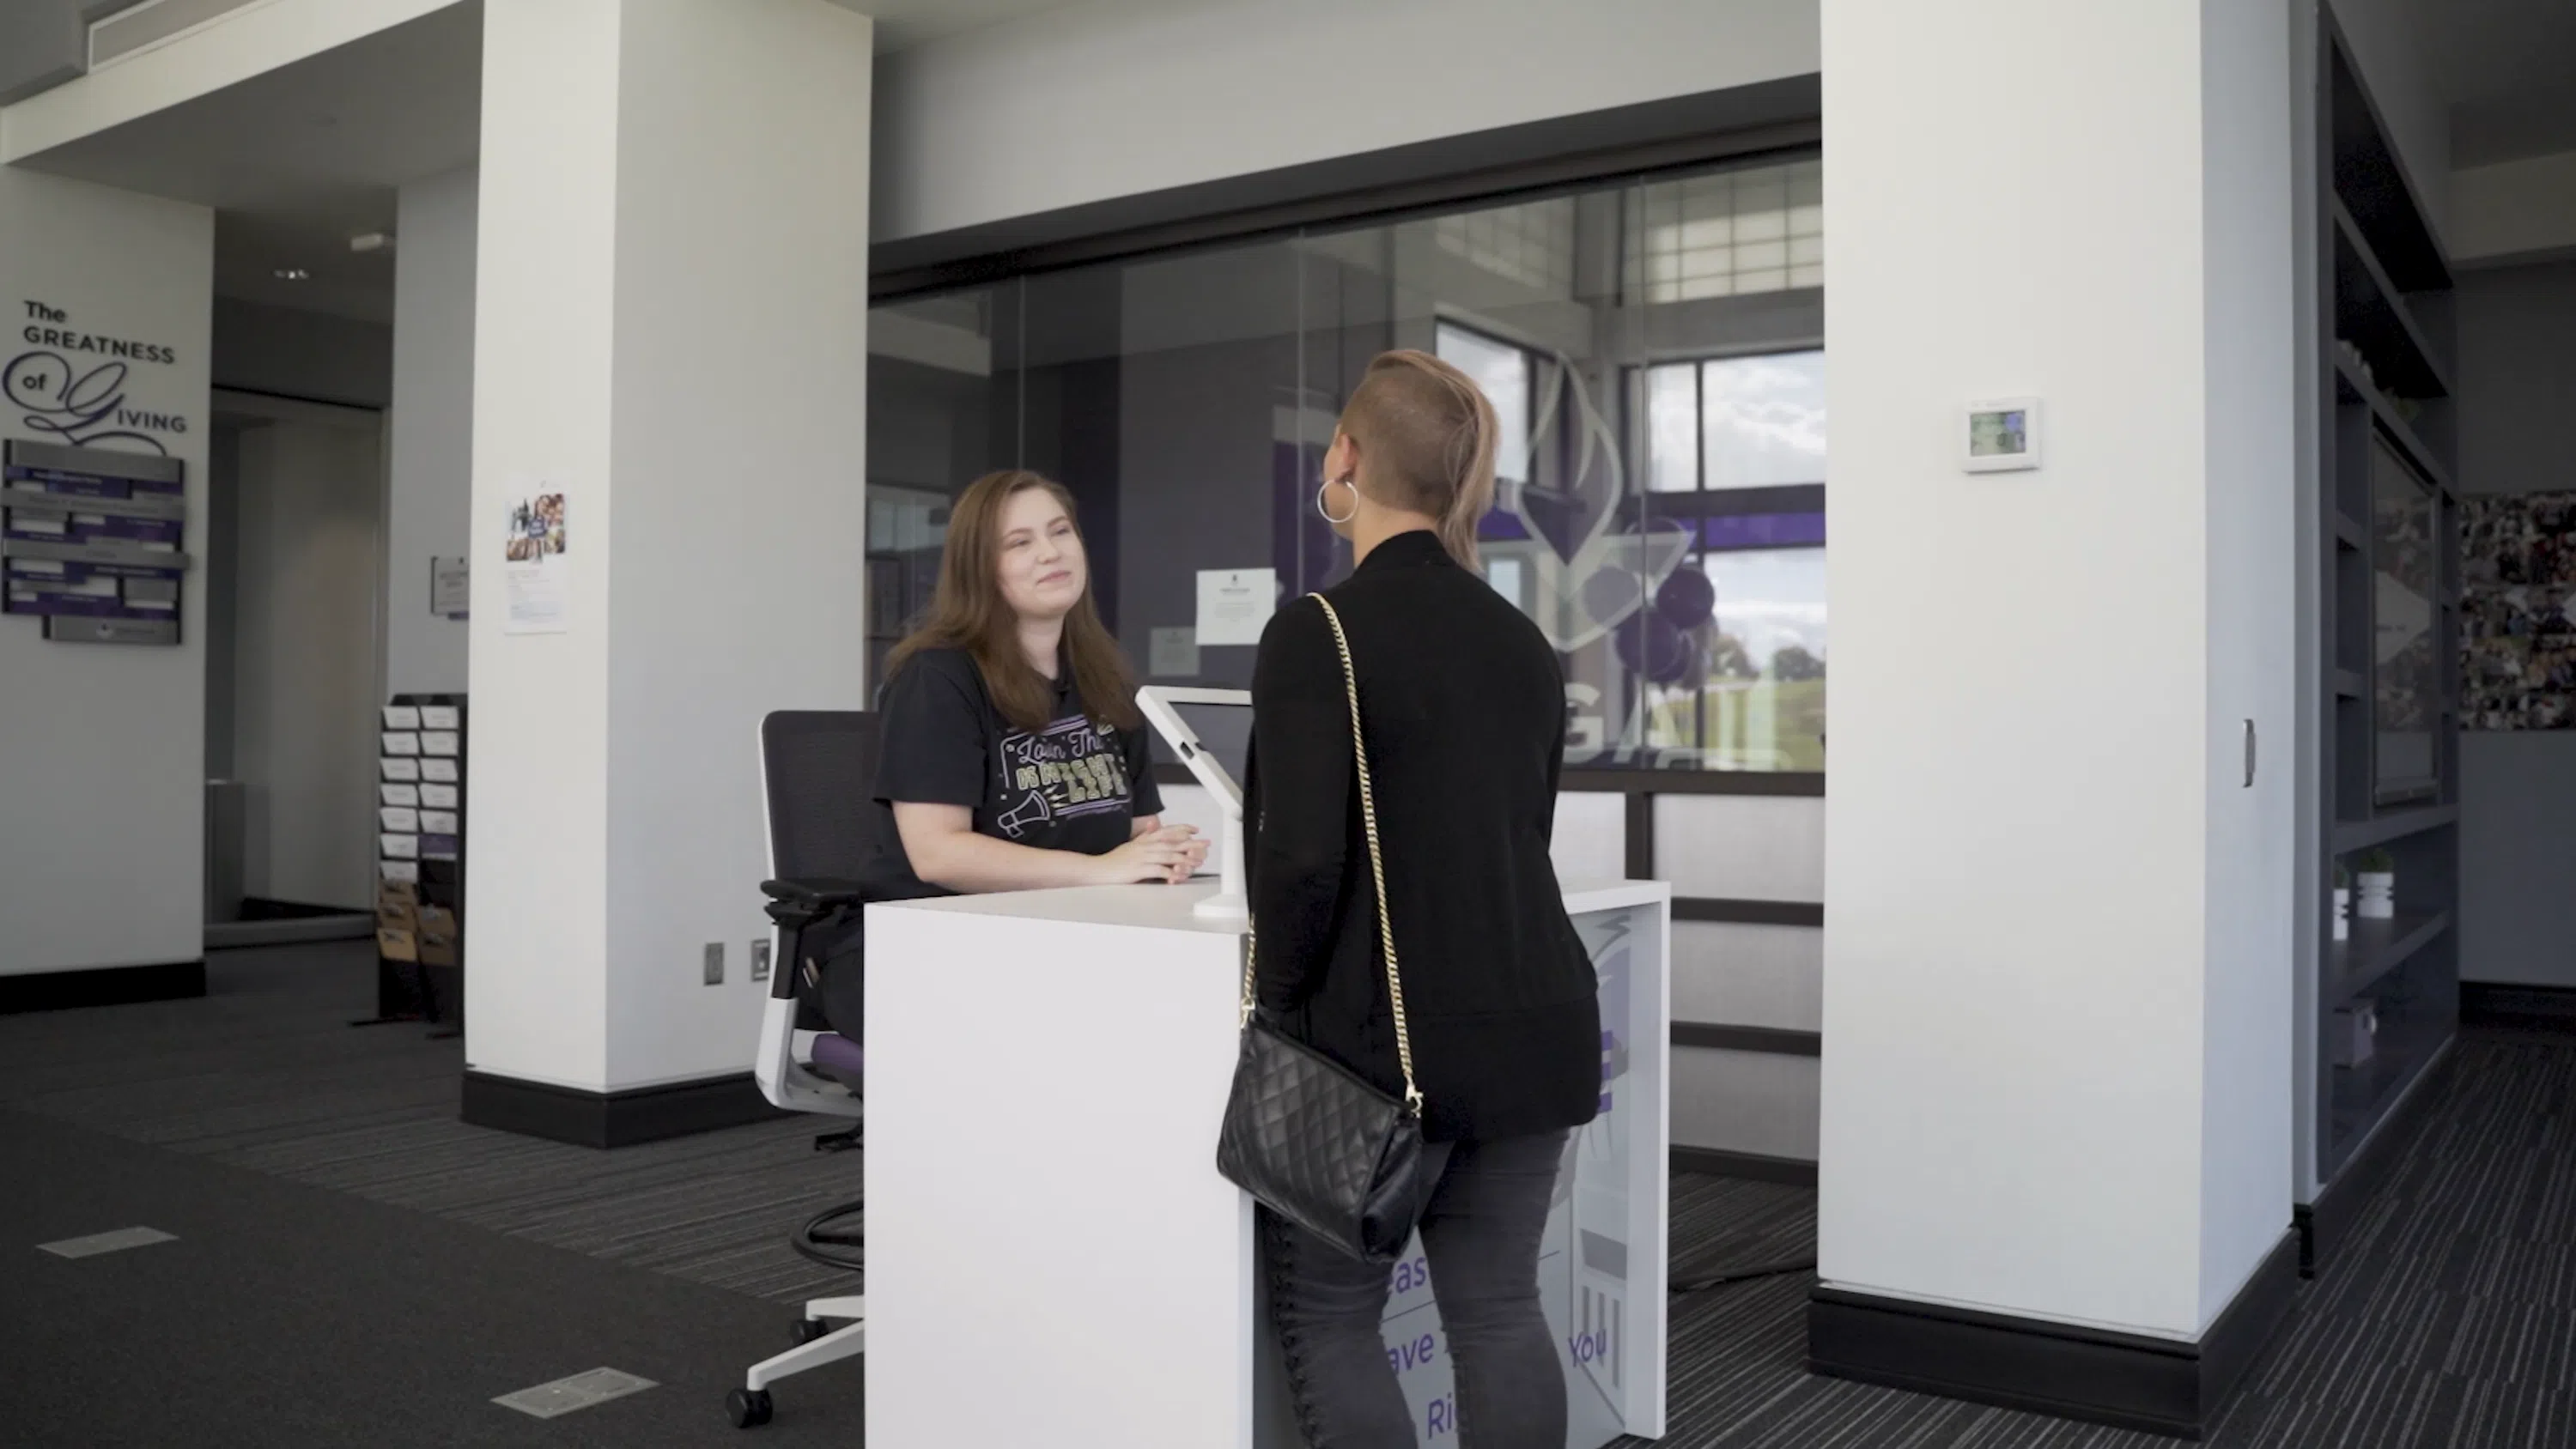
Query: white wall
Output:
(536,847)
(431,502)
(103,784)
(2250,351)
(1095,101)
(671,313)
(2018,943)
(739,490)
(308,553)
(2514,211)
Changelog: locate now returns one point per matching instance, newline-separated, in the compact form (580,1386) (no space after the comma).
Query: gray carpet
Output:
(2448,1321)
(385,1266)
(266,1073)
(284,1316)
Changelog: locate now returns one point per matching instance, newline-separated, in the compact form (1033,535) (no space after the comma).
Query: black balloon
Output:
(1687,599)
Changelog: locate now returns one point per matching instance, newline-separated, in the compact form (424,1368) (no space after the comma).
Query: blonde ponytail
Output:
(1427,435)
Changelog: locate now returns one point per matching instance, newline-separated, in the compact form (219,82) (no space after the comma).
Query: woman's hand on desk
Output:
(1168,853)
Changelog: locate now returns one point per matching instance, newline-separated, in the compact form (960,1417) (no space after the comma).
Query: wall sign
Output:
(91,541)
(93,510)
(69,385)
(449,594)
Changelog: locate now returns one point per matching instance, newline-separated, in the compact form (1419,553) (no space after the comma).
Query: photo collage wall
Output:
(2518,612)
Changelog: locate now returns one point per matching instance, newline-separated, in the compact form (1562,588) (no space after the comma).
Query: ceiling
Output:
(298,160)
(2507,69)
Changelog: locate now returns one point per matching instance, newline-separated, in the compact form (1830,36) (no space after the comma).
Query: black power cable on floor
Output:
(817,1239)
(1725,1276)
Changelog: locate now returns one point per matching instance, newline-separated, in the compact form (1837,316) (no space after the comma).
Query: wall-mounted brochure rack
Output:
(420,862)
(91,540)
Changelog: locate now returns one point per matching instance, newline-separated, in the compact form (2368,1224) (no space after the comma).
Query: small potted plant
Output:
(2342,903)
(2378,886)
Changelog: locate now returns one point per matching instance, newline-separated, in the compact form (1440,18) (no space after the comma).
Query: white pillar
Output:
(102,746)
(2058,925)
(670,313)
(427,513)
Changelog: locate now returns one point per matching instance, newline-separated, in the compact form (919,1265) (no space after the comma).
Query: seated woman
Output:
(1010,749)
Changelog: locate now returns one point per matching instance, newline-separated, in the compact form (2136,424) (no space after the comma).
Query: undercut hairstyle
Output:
(1426,434)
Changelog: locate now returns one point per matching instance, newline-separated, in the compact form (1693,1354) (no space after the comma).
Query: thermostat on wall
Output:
(2000,436)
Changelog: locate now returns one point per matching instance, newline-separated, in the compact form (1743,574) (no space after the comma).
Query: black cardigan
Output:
(1464,707)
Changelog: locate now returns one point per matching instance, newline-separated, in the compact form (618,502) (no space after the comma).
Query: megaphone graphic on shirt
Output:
(1032,810)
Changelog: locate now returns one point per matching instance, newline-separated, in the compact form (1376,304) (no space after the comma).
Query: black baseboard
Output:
(106,986)
(612,1119)
(1795,1171)
(2127,1380)
(2323,1224)
(2526,1008)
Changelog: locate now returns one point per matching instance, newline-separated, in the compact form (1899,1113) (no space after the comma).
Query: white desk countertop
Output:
(1168,907)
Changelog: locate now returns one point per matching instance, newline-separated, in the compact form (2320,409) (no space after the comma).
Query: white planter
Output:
(2343,913)
(2378,896)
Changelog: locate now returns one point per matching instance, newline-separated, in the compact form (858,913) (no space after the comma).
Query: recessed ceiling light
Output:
(293,274)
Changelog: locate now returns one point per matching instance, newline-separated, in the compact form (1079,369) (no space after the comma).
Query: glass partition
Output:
(1653,351)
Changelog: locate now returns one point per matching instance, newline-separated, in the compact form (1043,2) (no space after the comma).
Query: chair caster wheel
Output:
(807,1330)
(748,1408)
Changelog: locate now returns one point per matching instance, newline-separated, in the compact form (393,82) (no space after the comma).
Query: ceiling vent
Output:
(136,29)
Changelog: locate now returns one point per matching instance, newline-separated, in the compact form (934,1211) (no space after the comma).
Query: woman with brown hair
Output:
(1462,705)
(1010,749)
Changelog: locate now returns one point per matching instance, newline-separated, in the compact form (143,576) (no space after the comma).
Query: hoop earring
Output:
(1328,513)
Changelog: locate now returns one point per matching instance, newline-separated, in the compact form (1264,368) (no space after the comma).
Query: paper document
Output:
(1234,604)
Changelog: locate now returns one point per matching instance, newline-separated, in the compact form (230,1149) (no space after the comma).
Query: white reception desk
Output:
(1052,1257)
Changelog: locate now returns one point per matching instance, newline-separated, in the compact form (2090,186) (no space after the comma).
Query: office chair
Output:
(818,772)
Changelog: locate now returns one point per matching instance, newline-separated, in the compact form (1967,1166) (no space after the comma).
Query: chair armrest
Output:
(817,890)
(795,903)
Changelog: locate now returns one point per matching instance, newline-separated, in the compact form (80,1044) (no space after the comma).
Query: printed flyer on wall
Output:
(534,566)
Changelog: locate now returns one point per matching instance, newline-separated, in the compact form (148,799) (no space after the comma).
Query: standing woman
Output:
(1011,751)
(1463,704)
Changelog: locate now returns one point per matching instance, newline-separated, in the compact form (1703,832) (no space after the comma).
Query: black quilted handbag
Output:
(1310,1139)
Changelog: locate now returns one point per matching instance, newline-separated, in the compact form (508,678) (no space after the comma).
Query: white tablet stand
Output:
(1157,702)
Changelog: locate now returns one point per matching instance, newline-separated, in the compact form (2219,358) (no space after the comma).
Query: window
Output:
(1650,348)
(1503,371)
(1730,234)
(1738,461)
(1532,244)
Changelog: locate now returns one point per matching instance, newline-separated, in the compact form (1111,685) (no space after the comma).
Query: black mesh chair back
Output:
(820,771)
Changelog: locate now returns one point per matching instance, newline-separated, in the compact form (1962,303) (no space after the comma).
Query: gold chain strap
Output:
(1377,873)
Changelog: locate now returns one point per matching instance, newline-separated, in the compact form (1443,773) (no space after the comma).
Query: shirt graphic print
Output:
(1063,772)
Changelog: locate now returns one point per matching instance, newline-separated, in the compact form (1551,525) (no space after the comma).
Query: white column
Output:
(103,746)
(427,514)
(2058,923)
(671,294)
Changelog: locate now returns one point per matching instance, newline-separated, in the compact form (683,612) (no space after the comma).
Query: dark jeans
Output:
(1480,1236)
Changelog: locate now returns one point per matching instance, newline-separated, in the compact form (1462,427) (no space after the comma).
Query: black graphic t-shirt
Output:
(1071,786)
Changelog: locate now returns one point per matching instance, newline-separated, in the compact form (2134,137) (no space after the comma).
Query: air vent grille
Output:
(138,28)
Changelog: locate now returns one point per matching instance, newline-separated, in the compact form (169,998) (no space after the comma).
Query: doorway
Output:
(294,667)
